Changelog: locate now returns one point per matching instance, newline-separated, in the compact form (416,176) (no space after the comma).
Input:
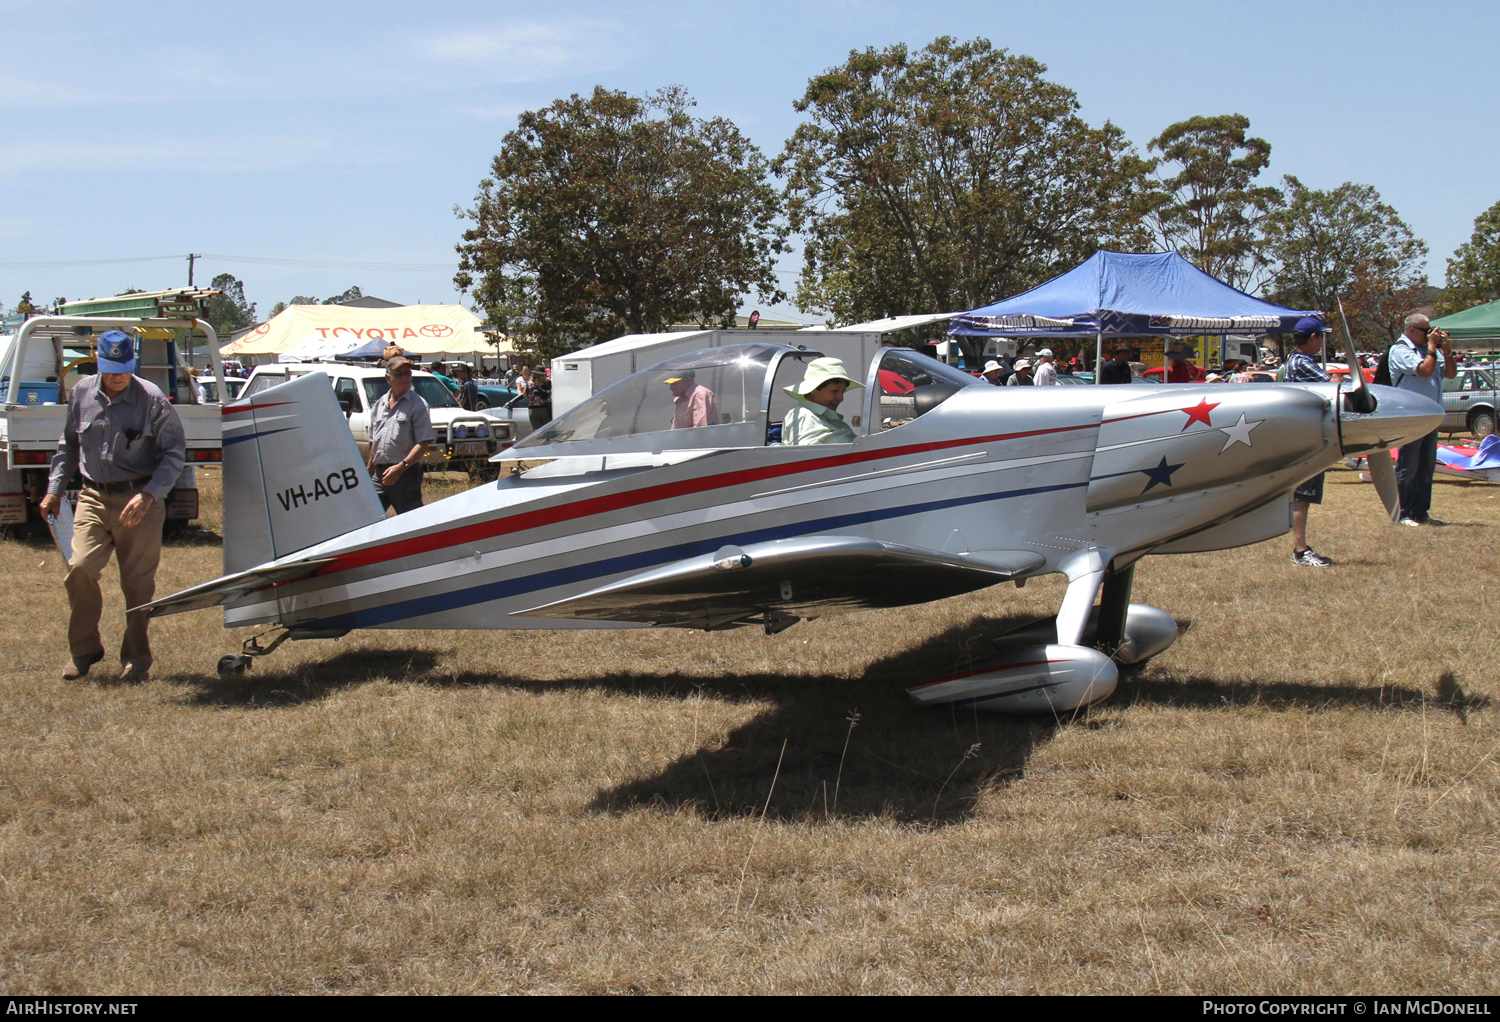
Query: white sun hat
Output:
(819,372)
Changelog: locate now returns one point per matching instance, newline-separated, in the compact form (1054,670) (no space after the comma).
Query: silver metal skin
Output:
(983,485)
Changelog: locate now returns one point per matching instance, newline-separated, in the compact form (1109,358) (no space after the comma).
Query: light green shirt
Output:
(808,423)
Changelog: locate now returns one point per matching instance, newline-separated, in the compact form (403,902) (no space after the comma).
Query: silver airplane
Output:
(616,520)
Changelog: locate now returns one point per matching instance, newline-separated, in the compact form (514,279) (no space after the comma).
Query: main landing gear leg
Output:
(238,663)
(1114,604)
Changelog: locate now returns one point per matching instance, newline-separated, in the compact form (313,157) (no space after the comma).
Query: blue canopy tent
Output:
(1122,294)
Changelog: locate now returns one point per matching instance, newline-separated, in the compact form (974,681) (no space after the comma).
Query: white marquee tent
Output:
(429,330)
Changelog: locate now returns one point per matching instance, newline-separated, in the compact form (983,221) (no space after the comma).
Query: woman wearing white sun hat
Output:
(815,418)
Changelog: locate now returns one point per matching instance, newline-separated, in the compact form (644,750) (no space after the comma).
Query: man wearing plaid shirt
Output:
(1301,367)
(126,439)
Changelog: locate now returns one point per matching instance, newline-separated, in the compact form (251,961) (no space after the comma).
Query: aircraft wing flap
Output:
(231,587)
(807,576)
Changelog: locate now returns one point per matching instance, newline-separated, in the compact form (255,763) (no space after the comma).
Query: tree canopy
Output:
(1474,269)
(229,311)
(613,214)
(946,178)
(1345,243)
(348,296)
(1210,210)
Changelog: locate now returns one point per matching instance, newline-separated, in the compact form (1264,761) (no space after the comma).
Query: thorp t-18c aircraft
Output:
(952,485)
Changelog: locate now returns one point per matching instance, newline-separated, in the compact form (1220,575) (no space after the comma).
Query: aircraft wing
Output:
(804,577)
(231,587)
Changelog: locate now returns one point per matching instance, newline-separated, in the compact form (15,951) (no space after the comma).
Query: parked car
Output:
(465,440)
(211,388)
(1159,374)
(1469,401)
(495,398)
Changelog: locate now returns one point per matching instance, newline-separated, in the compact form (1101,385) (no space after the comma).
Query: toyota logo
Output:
(435,330)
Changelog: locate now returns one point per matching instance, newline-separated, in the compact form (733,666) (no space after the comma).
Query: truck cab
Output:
(43,357)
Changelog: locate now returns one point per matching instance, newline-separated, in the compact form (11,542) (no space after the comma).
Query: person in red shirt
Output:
(693,405)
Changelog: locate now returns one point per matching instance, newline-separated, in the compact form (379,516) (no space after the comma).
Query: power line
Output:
(86,262)
(313,264)
(328,264)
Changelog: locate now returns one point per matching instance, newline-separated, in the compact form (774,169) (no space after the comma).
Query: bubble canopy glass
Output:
(636,413)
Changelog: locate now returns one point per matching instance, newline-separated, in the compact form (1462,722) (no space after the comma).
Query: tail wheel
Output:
(1482,423)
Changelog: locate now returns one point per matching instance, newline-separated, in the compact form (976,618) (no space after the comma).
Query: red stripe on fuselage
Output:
(409,546)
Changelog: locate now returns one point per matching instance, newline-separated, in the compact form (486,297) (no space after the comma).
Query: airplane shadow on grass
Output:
(831,747)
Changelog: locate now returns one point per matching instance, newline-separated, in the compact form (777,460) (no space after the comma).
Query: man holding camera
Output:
(1420,361)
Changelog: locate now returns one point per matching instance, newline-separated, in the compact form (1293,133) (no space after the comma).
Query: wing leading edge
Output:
(805,577)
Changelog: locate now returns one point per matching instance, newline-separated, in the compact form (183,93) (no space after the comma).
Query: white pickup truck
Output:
(46,356)
(465,440)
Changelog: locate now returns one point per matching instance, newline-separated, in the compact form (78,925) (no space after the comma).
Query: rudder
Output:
(293,476)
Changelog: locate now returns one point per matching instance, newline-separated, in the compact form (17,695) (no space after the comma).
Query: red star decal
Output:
(1198,413)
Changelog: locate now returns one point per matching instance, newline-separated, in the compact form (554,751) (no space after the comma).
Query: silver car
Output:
(1469,402)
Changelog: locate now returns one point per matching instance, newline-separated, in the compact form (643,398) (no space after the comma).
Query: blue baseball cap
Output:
(116,352)
(1309,325)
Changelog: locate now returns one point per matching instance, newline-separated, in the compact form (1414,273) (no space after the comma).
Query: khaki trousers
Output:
(97,531)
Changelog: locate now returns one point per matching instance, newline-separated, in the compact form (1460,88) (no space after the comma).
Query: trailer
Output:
(47,355)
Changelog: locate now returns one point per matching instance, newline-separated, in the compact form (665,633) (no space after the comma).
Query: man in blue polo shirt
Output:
(1420,361)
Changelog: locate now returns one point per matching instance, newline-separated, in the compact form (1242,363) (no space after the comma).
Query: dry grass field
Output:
(1302,796)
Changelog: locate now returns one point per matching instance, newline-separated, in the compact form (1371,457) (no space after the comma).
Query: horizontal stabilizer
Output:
(231,587)
(805,577)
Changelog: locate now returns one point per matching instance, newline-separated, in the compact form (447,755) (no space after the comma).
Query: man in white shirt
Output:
(1045,374)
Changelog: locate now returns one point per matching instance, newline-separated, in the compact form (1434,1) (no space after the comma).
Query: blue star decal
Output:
(1162,474)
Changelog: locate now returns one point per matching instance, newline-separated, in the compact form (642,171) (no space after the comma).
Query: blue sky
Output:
(345,133)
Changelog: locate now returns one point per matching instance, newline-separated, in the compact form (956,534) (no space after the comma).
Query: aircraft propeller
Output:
(1362,400)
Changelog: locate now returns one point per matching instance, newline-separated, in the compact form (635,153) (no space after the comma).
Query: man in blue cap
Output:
(125,438)
(1302,367)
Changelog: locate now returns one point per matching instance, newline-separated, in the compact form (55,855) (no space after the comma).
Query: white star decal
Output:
(1239,433)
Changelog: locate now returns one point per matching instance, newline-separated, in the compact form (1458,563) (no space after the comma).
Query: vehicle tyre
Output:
(1482,423)
(232,664)
(481,404)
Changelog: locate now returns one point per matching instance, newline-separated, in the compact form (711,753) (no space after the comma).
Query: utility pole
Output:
(190,257)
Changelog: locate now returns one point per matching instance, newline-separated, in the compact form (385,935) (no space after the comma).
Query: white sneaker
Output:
(1410,521)
(1310,558)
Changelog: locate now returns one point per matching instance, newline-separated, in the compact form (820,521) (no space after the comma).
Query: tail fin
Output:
(292,474)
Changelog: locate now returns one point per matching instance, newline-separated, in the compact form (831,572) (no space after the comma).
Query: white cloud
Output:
(525,51)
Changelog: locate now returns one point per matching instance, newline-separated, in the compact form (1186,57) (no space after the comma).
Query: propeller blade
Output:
(1360,398)
(1383,475)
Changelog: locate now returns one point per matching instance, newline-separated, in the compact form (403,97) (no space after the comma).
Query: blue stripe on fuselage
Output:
(374,617)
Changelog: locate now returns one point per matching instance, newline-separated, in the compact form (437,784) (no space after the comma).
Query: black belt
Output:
(126,486)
